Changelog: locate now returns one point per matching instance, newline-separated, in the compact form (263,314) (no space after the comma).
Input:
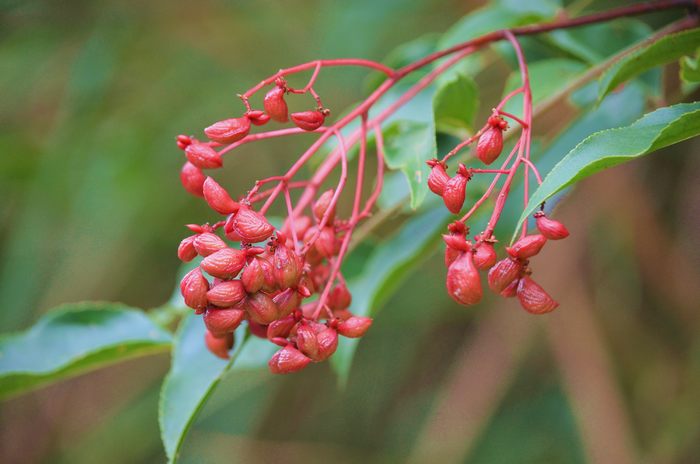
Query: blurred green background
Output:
(93,94)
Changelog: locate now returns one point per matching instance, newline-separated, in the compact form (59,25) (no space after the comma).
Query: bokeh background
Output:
(92,95)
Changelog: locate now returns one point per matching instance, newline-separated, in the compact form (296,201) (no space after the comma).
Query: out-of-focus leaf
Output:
(611,147)
(403,55)
(385,268)
(193,376)
(455,105)
(690,68)
(73,339)
(665,50)
(408,145)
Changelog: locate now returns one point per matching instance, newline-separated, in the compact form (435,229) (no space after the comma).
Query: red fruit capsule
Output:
(186,251)
(281,327)
(287,301)
(455,190)
(226,294)
(306,340)
(527,247)
(253,277)
(326,242)
(219,346)
(275,105)
(327,340)
(553,230)
(228,130)
(218,198)
(287,267)
(257,117)
(251,226)
(183,141)
(193,288)
(261,308)
(490,145)
(222,321)
(503,273)
(438,178)
(354,326)
(484,256)
(192,179)
(321,207)
(203,156)
(511,290)
(308,120)
(225,263)
(463,282)
(339,297)
(288,360)
(534,298)
(208,243)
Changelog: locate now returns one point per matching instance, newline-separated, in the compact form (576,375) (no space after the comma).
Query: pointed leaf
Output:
(455,105)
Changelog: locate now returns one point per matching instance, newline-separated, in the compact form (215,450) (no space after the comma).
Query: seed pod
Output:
(354,327)
(511,290)
(339,297)
(261,308)
(183,141)
(463,282)
(226,294)
(287,267)
(253,277)
(490,145)
(534,298)
(219,346)
(208,243)
(321,206)
(484,256)
(287,301)
(327,340)
(527,247)
(503,273)
(228,130)
(221,321)
(251,226)
(275,105)
(257,117)
(203,156)
(551,229)
(258,330)
(192,179)
(194,289)
(308,120)
(456,242)
(229,230)
(186,251)
(455,190)
(281,327)
(438,178)
(451,255)
(269,281)
(218,198)
(326,242)
(287,360)
(306,340)
(225,263)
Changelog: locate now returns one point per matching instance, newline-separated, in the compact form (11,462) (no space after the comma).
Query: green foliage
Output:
(73,339)
(663,51)
(455,106)
(690,68)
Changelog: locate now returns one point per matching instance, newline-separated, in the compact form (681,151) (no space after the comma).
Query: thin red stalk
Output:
(514,118)
(290,218)
(379,140)
(265,135)
(290,185)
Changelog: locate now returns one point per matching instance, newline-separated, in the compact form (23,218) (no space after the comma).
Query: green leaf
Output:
(408,144)
(455,105)
(193,376)
(690,68)
(403,55)
(73,339)
(611,147)
(665,50)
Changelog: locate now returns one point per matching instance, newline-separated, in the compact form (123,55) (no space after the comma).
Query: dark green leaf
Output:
(455,105)
(690,68)
(663,51)
(73,339)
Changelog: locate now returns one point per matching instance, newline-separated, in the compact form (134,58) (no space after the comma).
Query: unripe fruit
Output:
(339,297)
(257,117)
(511,290)
(183,141)
(326,242)
(534,298)
(484,256)
(208,243)
(261,308)
(527,247)
(222,321)
(225,263)
(503,273)
(306,340)
(251,225)
(455,190)
(269,280)
(194,289)
(226,294)
(229,230)
(281,327)
(258,330)
(275,105)
(253,277)
(463,282)
(219,346)
(301,225)
(287,301)
(490,145)
(354,326)
(192,178)
(308,120)
(228,130)
(553,230)
(186,251)
(203,156)
(327,340)
(218,198)
(287,360)
(438,177)
(321,207)
(287,267)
